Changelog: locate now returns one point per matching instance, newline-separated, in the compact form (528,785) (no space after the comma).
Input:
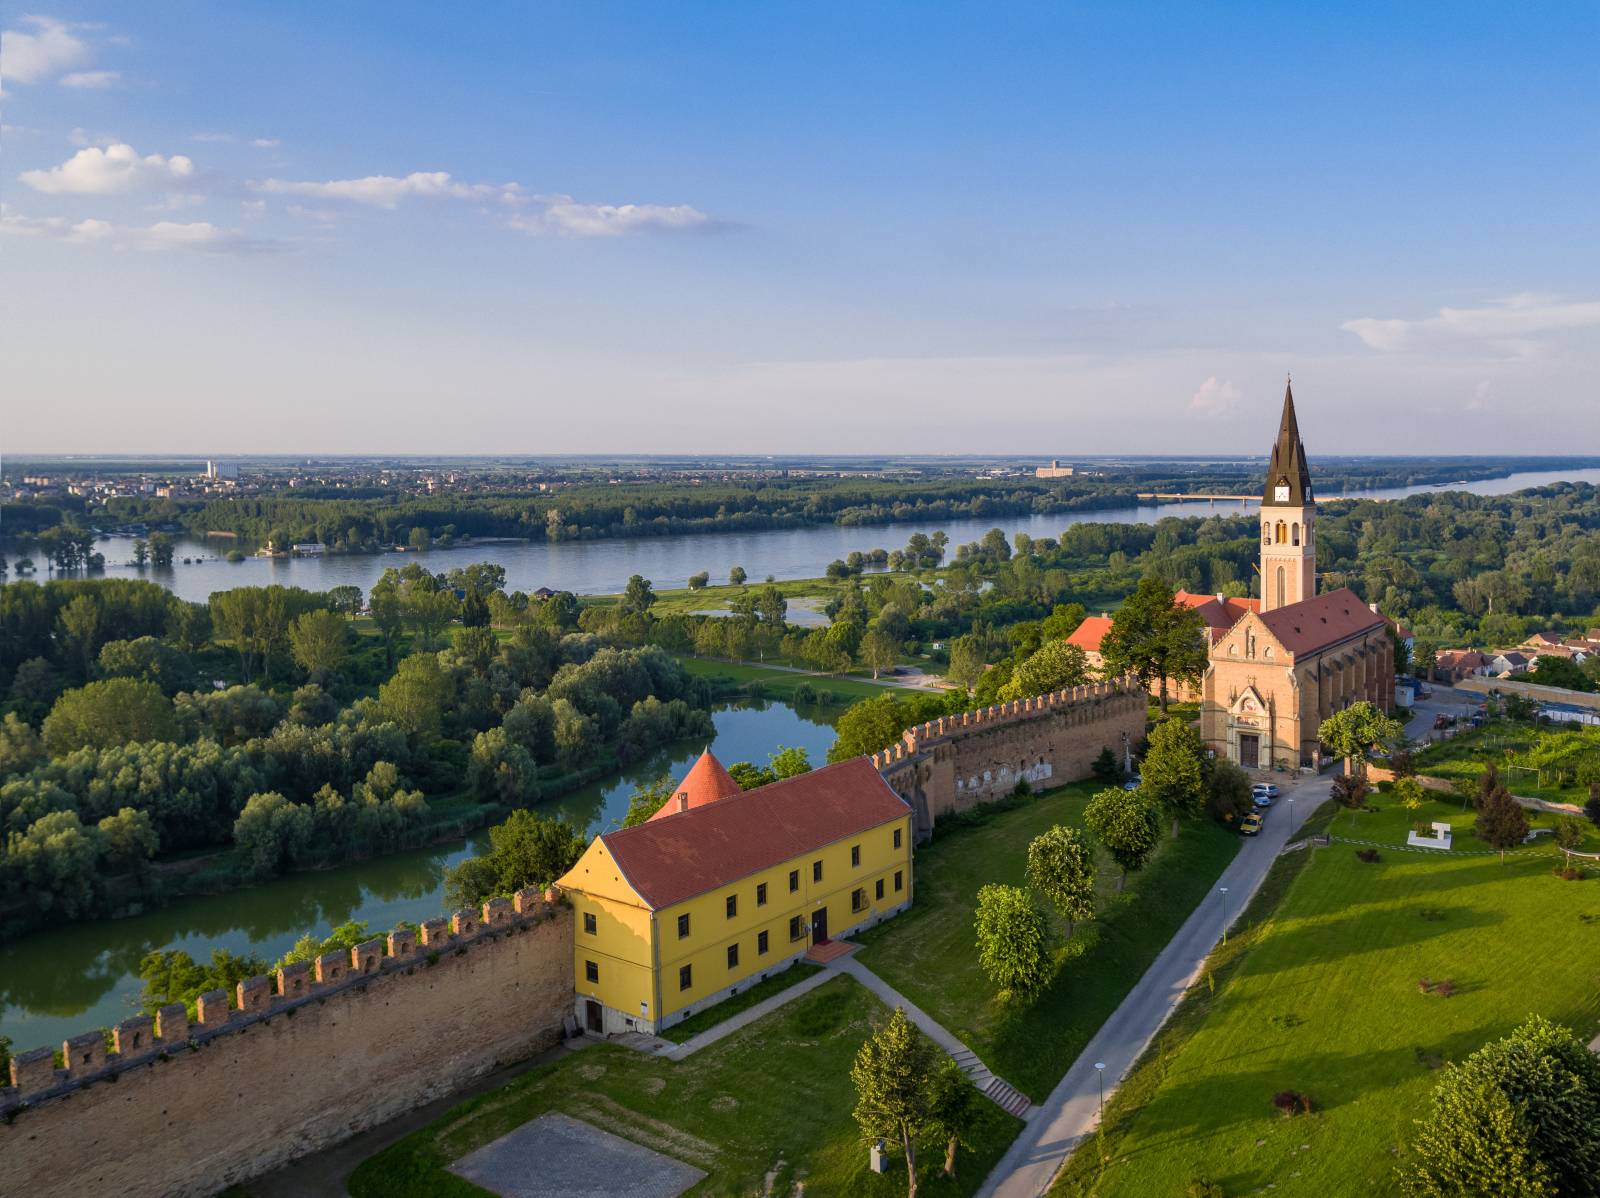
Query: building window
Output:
(761,894)
(879,893)
(855,856)
(761,944)
(591,972)
(588,922)
(899,880)
(733,905)
(794,880)
(858,899)
(683,927)
(685,977)
(733,956)
(797,927)
(1294,534)
(897,838)
(816,871)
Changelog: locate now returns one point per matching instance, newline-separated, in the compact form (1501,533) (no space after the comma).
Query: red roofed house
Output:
(1452,665)
(724,887)
(1220,613)
(1277,672)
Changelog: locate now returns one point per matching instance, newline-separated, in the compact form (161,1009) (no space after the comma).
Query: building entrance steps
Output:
(829,950)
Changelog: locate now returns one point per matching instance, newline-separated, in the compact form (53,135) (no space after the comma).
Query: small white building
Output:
(309,549)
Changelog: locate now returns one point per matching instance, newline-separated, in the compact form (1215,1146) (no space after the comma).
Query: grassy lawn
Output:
(781,682)
(1319,993)
(928,953)
(1388,823)
(742,1001)
(759,1111)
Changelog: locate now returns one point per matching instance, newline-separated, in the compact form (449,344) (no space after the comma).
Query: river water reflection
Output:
(62,981)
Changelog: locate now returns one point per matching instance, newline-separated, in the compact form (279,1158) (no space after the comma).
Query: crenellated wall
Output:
(346,1042)
(953,763)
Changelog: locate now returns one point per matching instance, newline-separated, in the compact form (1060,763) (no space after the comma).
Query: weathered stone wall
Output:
(954,763)
(349,1042)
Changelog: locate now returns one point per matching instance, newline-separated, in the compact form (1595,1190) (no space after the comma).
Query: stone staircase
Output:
(829,950)
(996,1089)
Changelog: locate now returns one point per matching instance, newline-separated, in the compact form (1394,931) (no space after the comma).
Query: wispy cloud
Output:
(557,214)
(162,235)
(265,143)
(386,191)
(116,168)
(41,51)
(1215,397)
(565,216)
(91,80)
(1510,324)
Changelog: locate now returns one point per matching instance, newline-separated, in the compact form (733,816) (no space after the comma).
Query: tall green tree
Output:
(1502,823)
(113,712)
(1359,727)
(1173,770)
(1013,941)
(954,1105)
(893,1072)
(736,576)
(319,642)
(526,850)
(1156,639)
(1055,666)
(1520,1117)
(1128,823)
(1061,867)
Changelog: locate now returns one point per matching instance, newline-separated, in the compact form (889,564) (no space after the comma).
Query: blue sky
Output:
(1046,229)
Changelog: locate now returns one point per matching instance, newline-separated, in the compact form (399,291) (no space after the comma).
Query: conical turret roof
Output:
(706,782)
(1288,475)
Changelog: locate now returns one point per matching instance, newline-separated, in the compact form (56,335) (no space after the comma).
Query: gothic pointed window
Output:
(1281,598)
(1294,534)
(1281,533)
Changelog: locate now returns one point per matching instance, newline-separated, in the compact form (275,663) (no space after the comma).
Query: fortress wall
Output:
(349,1041)
(953,763)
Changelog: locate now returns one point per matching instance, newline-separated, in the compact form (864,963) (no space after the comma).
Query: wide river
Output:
(603,567)
(73,978)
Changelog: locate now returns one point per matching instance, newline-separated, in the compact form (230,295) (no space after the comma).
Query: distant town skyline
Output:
(401,229)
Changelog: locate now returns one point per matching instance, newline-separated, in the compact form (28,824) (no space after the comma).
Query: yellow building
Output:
(723,887)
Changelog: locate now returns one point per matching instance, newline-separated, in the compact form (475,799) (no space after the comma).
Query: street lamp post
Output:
(1100,1127)
(1291,815)
(1223,890)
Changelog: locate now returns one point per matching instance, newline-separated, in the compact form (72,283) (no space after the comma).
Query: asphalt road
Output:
(1072,1110)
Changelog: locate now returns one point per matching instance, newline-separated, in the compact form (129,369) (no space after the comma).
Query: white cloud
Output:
(50,47)
(163,235)
(1509,324)
(210,137)
(266,143)
(117,168)
(566,216)
(322,216)
(1215,397)
(91,80)
(386,191)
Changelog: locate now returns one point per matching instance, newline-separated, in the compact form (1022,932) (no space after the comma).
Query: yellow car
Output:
(1251,824)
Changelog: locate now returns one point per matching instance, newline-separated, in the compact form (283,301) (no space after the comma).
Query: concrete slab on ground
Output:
(555,1156)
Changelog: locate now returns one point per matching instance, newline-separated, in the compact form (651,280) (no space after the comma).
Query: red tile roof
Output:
(706,782)
(1088,635)
(1219,613)
(669,860)
(1321,621)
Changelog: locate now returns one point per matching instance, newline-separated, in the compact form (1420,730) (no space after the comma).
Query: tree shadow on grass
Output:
(1361,933)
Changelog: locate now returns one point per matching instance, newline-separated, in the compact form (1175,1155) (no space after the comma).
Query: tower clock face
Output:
(1281,493)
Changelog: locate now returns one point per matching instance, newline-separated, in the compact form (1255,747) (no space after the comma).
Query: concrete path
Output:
(658,1046)
(1072,1110)
(999,1091)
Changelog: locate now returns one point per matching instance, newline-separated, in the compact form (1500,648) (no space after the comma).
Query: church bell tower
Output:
(1288,519)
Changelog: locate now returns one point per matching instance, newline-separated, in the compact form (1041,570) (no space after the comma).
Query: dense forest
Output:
(268,730)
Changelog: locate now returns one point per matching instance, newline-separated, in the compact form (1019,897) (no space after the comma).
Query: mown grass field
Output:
(765,1108)
(1319,993)
(781,683)
(929,954)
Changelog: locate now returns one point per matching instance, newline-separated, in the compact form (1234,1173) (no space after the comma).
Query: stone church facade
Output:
(1279,672)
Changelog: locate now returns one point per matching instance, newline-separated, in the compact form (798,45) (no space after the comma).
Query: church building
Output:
(1279,671)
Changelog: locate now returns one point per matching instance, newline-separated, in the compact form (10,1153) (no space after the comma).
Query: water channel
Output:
(62,981)
(603,567)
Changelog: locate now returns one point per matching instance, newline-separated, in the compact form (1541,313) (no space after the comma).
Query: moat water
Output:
(603,567)
(61,981)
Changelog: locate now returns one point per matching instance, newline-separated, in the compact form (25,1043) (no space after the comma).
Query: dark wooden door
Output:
(819,926)
(592,1016)
(1249,751)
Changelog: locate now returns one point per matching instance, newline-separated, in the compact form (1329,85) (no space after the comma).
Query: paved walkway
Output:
(999,1091)
(656,1046)
(1072,1110)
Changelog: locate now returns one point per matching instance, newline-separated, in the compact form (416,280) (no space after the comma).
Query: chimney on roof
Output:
(1220,598)
(683,800)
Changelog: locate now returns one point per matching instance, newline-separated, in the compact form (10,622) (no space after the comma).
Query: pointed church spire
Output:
(1288,475)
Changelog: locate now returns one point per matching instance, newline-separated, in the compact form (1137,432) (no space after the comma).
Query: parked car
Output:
(1132,783)
(1250,825)
(1262,794)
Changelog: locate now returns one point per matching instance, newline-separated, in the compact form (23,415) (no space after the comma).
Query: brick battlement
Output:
(954,762)
(141,1040)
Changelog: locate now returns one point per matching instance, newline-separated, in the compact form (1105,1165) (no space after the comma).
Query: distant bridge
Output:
(1186,495)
